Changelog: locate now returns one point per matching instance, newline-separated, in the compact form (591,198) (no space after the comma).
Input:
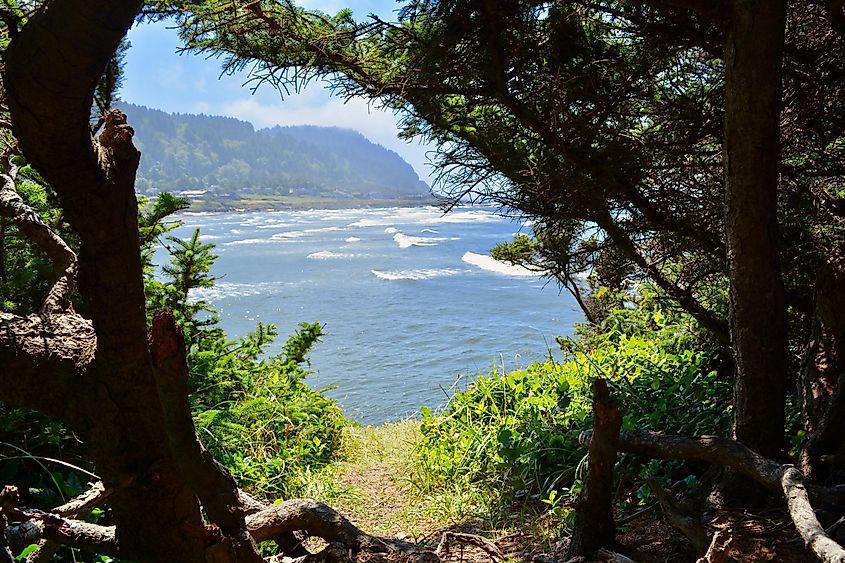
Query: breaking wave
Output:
(490,264)
(329,255)
(424,274)
(405,241)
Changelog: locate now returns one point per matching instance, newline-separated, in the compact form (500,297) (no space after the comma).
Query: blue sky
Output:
(158,77)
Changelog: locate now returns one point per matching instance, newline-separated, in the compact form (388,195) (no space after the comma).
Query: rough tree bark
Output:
(823,379)
(107,395)
(594,524)
(753,57)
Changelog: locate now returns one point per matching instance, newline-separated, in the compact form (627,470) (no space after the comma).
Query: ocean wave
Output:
(424,274)
(405,241)
(492,265)
(329,255)
(223,290)
(249,241)
(288,234)
(275,226)
(303,232)
(391,230)
(423,216)
(432,231)
(353,239)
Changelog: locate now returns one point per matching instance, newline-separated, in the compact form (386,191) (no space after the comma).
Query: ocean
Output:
(413,305)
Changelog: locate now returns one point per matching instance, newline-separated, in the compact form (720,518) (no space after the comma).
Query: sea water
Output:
(413,305)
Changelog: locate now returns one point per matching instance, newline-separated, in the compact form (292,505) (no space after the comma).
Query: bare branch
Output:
(78,507)
(72,533)
(30,224)
(783,479)
(805,520)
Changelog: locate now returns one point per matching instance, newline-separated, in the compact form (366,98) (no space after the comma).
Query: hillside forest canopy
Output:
(684,157)
(227,157)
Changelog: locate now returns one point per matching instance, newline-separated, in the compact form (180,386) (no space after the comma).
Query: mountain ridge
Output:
(225,157)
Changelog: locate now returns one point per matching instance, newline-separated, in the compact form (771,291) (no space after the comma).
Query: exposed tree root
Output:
(345,541)
(784,479)
(484,544)
(690,527)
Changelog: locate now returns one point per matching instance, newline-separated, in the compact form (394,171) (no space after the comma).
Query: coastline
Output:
(286,203)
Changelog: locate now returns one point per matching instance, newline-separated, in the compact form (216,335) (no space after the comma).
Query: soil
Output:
(380,501)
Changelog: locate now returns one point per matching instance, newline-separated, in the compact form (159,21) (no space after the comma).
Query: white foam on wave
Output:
(329,255)
(490,264)
(304,232)
(353,239)
(405,241)
(432,231)
(288,235)
(223,290)
(274,226)
(249,241)
(423,274)
(390,230)
(424,216)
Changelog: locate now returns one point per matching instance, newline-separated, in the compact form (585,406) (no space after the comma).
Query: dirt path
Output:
(376,483)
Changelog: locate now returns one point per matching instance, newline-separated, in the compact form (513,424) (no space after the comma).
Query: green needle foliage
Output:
(254,412)
(258,417)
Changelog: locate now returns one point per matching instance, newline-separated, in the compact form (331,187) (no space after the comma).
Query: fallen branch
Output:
(78,507)
(783,479)
(484,544)
(805,519)
(312,518)
(35,526)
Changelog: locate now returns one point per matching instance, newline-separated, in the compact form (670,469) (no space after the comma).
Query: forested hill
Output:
(227,156)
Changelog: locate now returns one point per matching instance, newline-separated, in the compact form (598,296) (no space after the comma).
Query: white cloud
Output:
(377,125)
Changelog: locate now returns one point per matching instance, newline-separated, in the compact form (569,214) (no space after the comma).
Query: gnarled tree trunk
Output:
(107,395)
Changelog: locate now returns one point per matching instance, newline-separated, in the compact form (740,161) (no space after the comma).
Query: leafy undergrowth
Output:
(505,450)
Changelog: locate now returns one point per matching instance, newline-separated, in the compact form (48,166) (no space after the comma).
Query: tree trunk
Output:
(753,56)
(52,67)
(594,524)
(823,379)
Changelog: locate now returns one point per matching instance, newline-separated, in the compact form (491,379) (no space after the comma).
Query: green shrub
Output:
(514,435)
(254,413)
(258,417)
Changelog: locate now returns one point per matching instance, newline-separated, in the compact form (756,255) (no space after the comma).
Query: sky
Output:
(158,77)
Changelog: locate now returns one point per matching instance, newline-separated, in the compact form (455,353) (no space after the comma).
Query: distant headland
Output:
(225,164)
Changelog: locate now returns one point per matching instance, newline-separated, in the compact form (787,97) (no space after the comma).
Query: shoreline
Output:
(250,205)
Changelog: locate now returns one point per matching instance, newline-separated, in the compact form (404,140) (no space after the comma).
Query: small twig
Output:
(631,517)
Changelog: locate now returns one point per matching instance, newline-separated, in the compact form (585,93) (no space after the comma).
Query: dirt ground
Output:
(378,500)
